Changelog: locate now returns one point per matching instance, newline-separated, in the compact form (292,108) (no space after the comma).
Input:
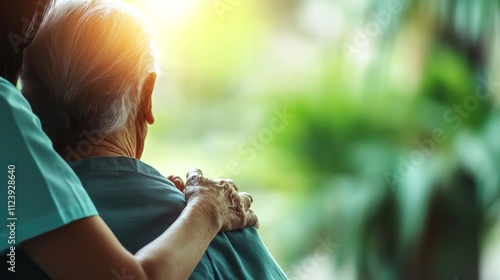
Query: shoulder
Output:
(45,193)
(11,99)
(255,261)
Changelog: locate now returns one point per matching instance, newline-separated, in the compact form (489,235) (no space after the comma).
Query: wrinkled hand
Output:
(220,200)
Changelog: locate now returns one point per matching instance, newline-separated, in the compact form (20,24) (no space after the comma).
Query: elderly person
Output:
(51,220)
(89,75)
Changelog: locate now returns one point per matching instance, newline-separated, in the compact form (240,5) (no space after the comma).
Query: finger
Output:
(232,184)
(193,174)
(246,199)
(251,219)
(176,178)
(179,184)
(228,183)
(171,179)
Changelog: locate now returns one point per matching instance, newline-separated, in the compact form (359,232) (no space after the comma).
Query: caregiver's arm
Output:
(87,249)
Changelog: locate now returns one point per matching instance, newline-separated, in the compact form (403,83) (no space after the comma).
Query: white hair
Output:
(87,65)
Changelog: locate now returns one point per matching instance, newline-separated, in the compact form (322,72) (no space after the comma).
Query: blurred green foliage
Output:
(390,148)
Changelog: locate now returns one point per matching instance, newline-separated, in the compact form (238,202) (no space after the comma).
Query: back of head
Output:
(86,67)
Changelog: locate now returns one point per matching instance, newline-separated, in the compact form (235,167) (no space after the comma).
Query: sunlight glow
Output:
(167,13)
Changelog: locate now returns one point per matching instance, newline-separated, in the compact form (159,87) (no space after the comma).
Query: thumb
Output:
(193,176)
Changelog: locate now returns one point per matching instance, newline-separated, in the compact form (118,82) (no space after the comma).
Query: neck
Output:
(114,147)
(127,142)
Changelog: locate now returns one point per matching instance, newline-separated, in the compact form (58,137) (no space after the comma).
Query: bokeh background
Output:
(367,131)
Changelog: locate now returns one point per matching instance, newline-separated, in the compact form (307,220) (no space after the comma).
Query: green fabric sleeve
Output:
(47,194)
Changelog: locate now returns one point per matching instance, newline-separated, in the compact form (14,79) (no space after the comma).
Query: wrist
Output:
(207,211)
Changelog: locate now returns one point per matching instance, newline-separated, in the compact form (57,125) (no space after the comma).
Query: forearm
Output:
(89,243)
(175,253)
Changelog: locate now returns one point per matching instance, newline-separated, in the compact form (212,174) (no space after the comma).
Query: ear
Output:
(146,103)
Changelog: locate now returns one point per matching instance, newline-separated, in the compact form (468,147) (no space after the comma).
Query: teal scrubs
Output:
(44,192)
(138,204)
(47,193)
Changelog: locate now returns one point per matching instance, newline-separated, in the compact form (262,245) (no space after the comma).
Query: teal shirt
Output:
(138,204)
(44,192)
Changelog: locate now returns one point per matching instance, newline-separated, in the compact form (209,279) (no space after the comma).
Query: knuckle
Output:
(194,180)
